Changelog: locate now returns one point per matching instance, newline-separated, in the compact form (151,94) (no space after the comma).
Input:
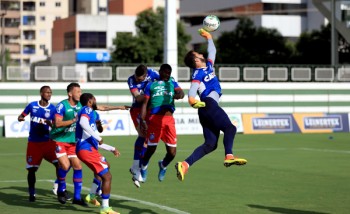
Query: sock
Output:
(136,164)
(138,148)
(77,180)
(144,167)
(95,187)
(31,183)
(61,180)
(105,200)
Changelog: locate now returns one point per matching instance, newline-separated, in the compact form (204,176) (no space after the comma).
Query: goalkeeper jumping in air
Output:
(211,116)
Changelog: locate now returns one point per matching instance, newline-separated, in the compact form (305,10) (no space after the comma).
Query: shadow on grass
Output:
(283,210)
(45,199)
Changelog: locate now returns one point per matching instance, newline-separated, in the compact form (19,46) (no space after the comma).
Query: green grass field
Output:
(286,173)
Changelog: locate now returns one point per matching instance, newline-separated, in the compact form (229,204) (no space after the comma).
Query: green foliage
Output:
(315,47)
(250,44)
(147,45)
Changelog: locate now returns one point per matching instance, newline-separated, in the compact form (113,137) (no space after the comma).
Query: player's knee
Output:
(107,177)
(209,147)
(230,128)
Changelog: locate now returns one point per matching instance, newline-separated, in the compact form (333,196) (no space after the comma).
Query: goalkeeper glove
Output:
(204,34)
(198,104)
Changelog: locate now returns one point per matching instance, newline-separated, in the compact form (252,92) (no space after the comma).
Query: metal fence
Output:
(87,73)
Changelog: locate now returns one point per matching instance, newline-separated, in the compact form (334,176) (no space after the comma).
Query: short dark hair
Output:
(71,86)
(44,87)
(165,67)
(85,97)
(140,70)
(189,60)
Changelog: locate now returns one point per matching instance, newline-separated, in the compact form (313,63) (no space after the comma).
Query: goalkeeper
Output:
(211,116)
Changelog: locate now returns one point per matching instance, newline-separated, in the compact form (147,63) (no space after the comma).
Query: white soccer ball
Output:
(211,23)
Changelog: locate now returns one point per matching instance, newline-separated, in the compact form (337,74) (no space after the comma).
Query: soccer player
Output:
(137,83)
(88,142)
(159,98)
(63,134)
(211,116)
(39,144)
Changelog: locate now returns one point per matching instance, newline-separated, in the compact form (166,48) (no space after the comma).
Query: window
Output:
(42,18)
(42,4)
(58,4)
(42,47)
(92,40)
(42,32)
(57,17)
(69,41)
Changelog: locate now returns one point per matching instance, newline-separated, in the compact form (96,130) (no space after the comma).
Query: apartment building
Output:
(26,28)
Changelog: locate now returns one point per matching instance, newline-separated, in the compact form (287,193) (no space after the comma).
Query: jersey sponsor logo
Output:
(151,136)
(58,149)
(37,119)
(88,110)
(209,77)
(195,74)
(59,107)
(47,113)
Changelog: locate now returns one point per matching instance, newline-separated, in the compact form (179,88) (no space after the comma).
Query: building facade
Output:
(26,27)
(289,17)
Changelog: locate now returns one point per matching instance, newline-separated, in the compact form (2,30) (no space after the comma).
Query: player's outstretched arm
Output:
(109,108)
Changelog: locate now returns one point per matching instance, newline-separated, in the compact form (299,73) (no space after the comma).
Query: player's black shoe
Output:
(68,197)
(80,202)
(32,198)
(61,196)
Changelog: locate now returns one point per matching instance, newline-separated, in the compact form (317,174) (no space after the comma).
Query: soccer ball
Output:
(211,23)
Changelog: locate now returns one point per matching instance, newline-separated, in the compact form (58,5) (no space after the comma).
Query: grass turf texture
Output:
(286,173)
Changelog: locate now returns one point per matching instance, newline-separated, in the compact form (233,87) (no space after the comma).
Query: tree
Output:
(147,45)
(315,47)
(250,44)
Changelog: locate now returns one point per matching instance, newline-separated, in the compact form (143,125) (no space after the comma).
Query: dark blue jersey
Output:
(39,131)
(207,80)
(152,75)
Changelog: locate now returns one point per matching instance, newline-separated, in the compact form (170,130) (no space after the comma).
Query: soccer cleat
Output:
(61,196)
(144,173)
(98,193)
(32,198)
(80,202)
(162,171)
(68,197)
(181,170)
(136,177)
(54,188)
(91,199)
(108,210)
(231,160)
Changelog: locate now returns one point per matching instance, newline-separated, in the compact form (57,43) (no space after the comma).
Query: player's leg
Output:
(34,156)
(64,166)
(139,149)
(219,118)
(169,138)
(154,134)
(91,198)
(211,136)
(77,177)
(106,191)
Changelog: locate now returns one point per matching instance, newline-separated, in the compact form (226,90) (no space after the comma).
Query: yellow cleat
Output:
(235,161)
(108,210)
(181,170)
(92,200)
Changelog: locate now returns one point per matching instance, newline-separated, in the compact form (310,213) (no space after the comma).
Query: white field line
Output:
(162,207)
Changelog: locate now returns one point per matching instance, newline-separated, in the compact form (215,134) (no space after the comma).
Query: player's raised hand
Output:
(204,34)
(198,104)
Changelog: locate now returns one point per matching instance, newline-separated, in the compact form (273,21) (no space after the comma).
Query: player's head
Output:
(87,99)
(74,91)
(45,93)
(140,73)
(194,60)
(165,72)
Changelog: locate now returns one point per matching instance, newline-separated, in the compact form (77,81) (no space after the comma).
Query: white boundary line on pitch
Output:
(173,210)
